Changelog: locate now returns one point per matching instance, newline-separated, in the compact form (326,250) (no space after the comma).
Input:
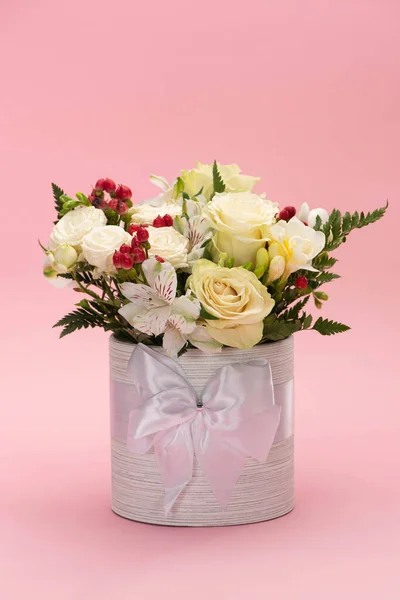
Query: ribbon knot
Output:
(238,419)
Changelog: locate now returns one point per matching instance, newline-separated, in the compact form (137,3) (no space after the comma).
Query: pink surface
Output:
(305,94)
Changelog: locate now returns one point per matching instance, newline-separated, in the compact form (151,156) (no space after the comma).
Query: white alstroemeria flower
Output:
(197,230)
(201,339)
(309,216)
(154,309)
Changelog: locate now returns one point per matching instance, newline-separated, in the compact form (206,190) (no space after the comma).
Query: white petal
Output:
(201,339)
(129,311)
(160,182)
(314,213)
(186,306)
(302,215)
(152,322)
(141,295)
(173,341)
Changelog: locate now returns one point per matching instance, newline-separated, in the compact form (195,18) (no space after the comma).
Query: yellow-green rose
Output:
(202,177)
(241,221)
(235,298)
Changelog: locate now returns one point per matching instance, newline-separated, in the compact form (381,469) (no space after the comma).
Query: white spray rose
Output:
(168,243)
(202,177)
(242,221)
(297,243)
(73,226)
(99,245)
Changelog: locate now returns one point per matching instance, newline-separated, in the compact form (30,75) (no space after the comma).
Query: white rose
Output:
(297,243)
(99,245)
(73,226)
(146,213)
(242,221)
(170,245)
(202,177)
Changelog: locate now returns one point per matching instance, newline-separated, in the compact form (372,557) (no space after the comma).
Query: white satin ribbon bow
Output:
(239,418)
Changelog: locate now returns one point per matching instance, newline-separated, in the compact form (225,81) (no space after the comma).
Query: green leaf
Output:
(204,314)
(219,185)
(57,193)
(323,261)
(326,327)
(326,277)
(306,321)
(293,312)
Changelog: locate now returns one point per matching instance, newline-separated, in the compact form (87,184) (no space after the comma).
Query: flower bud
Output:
(275,249)
(126,262)
(133,228)
(125,249)
(113,203)
(66,255)
(117,257)
(321,296)
(159,221)
(262,261)
(159,258)
(109,185)
(122,207)
(276,268)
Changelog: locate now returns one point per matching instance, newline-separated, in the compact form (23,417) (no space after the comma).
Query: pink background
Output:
(305,94)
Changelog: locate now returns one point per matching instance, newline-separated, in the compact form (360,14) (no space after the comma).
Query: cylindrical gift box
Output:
(263,491)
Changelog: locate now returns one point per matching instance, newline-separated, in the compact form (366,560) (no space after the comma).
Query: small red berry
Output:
(168,221)
(117,259)
(123,192)
(133,228)
(109,185)
(284,215)
(139,255)
(99,203)
(122,207)
(113,203)
(159,221)
(159,258)
(126,262)
(291,210)
(301,282)
(100,184)
(142,234)
(125,249)
(135,243)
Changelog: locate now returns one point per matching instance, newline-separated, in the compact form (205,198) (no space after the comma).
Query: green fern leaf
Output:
(326,327)
(218,183)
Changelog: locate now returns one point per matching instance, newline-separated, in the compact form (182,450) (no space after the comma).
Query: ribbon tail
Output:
(174,455)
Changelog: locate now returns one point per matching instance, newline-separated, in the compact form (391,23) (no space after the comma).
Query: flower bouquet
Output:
(202,287)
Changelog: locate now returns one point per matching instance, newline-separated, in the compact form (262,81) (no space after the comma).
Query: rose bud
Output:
(117,259)
(123,192)
(109,185)
(301,282)
(159,258)
(125,249)
(139,255)
(159,221)
(126,261)
(168,221)
(142,234)
(66,255)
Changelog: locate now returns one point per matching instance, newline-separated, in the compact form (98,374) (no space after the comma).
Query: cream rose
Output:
(99,245)
(77,223)
(202,177)
(171,245)
(146,213)
(297,243)
(237,301)
(242,221)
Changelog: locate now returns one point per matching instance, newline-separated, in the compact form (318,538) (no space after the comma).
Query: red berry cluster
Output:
(127,256)
(287,213)
(120,196)
(165,221)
